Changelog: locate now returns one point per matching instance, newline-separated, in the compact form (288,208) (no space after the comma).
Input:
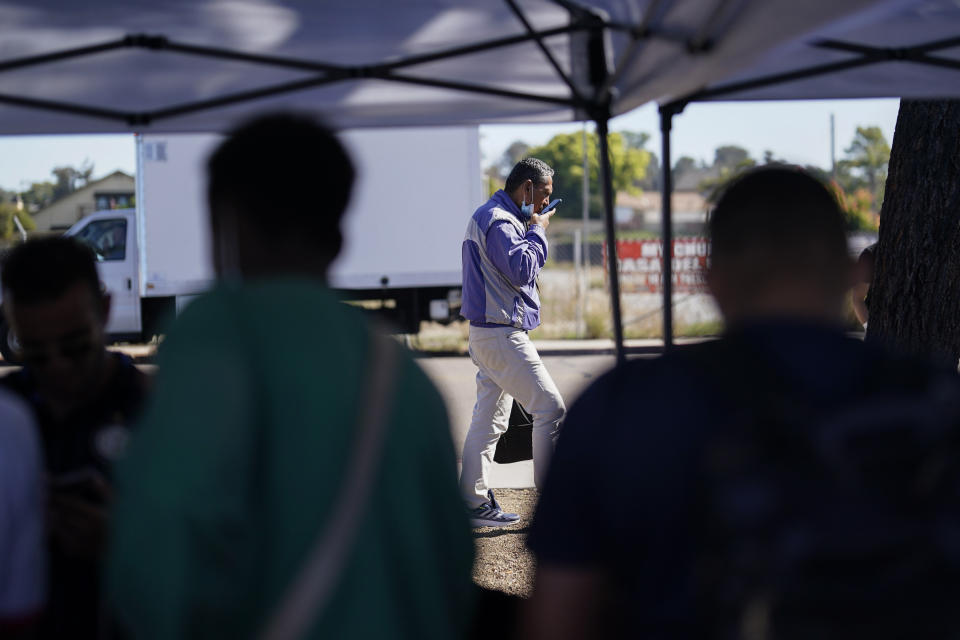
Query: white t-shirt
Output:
(22,554)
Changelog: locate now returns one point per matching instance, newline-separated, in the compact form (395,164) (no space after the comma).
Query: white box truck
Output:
(402,232)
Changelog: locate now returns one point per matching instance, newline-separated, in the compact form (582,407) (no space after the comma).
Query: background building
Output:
(115,191)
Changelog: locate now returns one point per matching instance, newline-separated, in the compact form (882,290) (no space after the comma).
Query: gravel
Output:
(502,561)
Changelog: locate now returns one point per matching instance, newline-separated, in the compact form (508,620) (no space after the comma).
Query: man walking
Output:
(504,250)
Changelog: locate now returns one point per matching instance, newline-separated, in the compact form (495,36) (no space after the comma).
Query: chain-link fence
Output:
(575,292)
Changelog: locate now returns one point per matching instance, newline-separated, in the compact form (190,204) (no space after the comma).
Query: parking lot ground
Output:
(573,364)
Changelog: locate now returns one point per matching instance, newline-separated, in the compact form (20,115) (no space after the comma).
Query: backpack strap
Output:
(308,593)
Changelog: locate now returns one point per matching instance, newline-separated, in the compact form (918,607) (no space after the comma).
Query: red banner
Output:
(641,264)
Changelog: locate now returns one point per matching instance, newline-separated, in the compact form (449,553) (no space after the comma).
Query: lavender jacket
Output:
(501,260)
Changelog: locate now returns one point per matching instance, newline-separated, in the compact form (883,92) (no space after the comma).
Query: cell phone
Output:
(550,207)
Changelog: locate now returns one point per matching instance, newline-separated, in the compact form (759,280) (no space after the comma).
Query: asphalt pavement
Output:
(573,364)
(572,371)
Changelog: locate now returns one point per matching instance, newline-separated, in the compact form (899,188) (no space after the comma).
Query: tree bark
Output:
(915,294)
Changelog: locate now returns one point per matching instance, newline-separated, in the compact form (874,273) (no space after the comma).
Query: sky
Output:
(797,131)
(28,159)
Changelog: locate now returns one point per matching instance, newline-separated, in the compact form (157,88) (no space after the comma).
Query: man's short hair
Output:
(779,221)
(527,169)
(283,172)
(42,270)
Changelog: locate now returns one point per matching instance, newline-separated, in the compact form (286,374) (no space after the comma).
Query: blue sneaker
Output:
(489,514)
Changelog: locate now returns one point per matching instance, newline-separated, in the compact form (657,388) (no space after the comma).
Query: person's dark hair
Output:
(44,269)
(776,221)
(527,169)
(283,172)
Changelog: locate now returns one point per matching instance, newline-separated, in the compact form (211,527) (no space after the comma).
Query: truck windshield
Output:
(107,238)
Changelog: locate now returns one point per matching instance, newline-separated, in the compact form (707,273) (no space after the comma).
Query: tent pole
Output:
(606,180)
(666,221)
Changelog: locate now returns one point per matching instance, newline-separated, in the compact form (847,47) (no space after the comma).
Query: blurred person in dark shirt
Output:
(782,481)
(246,466)
(83,398)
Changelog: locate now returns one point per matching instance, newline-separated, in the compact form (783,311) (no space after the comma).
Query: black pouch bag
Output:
(516,444)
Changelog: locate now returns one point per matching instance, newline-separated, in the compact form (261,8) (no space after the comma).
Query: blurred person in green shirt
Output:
(236,470)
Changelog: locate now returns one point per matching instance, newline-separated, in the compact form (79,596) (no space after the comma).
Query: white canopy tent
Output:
(204,65)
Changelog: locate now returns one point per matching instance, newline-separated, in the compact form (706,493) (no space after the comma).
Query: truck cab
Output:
(112,235)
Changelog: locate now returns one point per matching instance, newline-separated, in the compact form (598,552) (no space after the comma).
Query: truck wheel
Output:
(8,342)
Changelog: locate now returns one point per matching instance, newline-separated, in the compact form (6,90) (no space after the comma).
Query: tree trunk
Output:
(915,294)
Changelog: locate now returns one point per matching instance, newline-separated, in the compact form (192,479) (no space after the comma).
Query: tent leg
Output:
(606,180)
(666,221)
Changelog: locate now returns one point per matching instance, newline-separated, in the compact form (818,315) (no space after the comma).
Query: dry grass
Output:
(435,337)
(560,299)
(642,313)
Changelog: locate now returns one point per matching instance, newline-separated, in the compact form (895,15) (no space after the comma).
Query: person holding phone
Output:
(503,252)
(84,399)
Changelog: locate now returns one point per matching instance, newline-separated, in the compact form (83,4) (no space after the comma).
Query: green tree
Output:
(39,195)
(731,158)
(729,161)
(516,152)
(866,163)
(492,179)
(635,139)
(8,228)
(564,152)
(684,164)
(651,177)
(770,158)
(857,207)
(69,179)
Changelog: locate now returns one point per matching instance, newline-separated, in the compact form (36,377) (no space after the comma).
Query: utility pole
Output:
(583,280)
(833,149)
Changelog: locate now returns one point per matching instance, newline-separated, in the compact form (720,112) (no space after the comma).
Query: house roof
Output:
(82,192)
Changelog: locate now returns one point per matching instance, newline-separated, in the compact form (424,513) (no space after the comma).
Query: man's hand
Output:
(78,523)
(542,220)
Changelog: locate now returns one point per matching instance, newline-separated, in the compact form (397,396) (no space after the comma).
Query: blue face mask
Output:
(526,209)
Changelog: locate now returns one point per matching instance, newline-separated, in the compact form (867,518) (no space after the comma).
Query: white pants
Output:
(509,367)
